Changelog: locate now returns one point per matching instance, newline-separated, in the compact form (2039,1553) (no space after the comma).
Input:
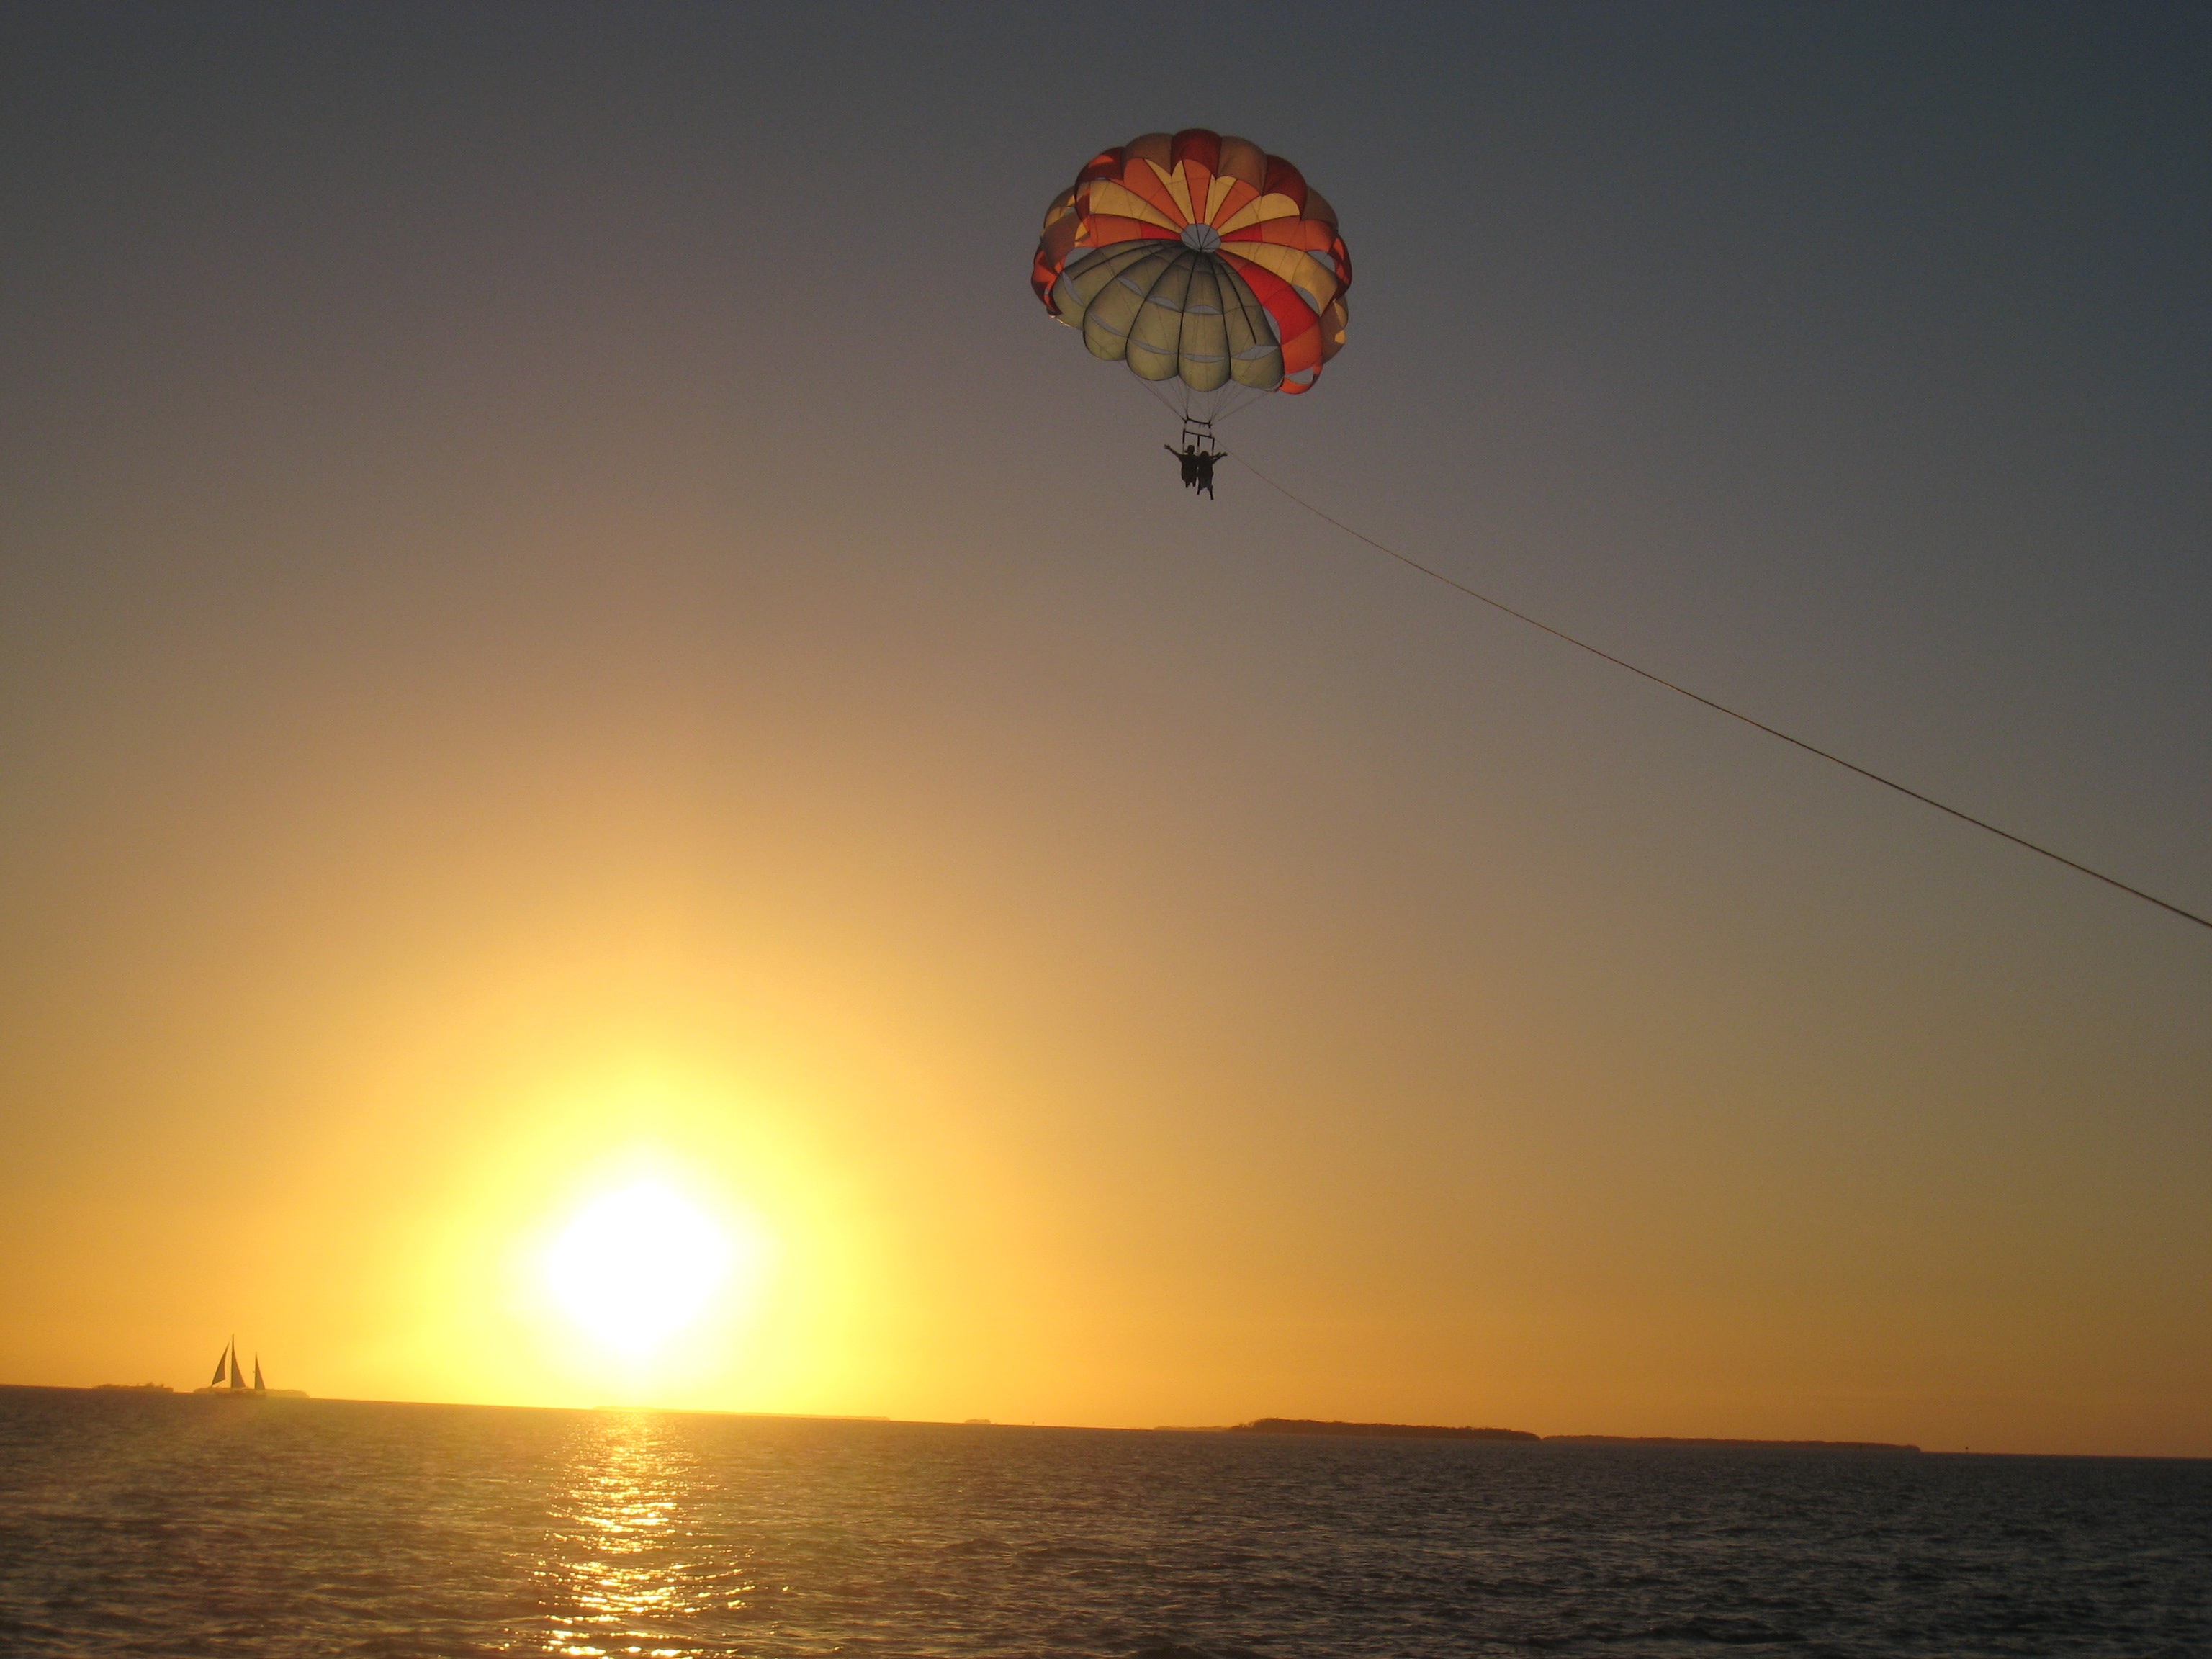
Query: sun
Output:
(637,1264)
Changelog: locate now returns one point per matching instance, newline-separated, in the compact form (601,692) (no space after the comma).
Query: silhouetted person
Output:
(1188,456)
(1204,469)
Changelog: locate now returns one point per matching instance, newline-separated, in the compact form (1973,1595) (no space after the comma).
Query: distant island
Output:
(1385,1430)
(1424,1432)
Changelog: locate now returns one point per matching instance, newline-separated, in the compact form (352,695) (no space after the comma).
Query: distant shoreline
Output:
(1714,1440)
(1375,1431)
(1308,1425)
(1290,1427)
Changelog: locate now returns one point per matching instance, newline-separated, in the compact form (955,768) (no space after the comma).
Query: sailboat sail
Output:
(230,1380)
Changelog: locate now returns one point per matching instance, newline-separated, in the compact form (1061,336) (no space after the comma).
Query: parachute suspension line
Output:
(1178,407)
(1719,708)
(1206,408)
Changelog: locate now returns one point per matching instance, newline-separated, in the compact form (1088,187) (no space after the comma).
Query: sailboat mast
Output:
(236,1380)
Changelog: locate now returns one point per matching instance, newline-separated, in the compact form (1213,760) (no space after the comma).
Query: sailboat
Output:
(226,1365)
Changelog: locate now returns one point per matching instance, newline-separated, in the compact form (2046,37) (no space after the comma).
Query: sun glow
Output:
(638,1265)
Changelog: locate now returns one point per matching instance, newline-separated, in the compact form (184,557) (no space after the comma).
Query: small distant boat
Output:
(235,1387)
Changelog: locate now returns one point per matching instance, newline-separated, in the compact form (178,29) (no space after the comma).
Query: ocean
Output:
(170,1525)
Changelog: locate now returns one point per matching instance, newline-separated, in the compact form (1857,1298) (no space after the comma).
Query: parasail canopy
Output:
(1208,266)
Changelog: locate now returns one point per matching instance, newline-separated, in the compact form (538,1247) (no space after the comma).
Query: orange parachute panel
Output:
(1299,323)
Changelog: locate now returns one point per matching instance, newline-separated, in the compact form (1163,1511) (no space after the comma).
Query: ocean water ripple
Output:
(149,1524)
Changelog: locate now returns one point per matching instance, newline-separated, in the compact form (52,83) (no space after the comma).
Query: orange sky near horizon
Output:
(520,673)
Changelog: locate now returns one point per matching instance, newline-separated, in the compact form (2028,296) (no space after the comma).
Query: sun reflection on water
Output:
(629,1569)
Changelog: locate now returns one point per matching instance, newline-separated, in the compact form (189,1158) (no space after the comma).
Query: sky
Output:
(571,634)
